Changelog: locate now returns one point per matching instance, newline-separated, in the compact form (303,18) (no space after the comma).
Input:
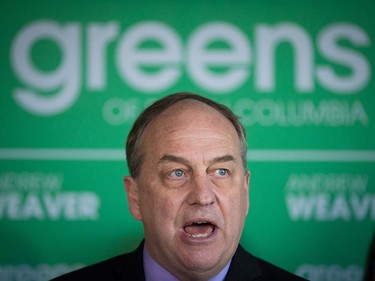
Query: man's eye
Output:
(222,172)
(177,173)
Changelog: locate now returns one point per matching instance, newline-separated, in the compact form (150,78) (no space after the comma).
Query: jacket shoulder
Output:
(245,266)
(273,272)
(121,267)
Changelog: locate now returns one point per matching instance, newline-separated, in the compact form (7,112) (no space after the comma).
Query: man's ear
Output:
(132,194)
(247,189)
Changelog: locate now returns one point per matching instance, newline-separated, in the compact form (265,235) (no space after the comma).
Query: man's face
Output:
(192,191)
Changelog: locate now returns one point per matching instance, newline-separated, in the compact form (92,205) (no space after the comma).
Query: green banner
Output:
(76,74)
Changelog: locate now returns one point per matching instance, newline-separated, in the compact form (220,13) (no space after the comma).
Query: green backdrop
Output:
(75,74)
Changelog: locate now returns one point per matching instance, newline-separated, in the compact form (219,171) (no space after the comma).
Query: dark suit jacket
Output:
(244,267)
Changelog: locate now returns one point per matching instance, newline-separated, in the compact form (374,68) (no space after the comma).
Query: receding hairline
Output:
(181,107)
(177,101)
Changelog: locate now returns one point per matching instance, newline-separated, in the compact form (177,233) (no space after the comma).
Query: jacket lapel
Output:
(131,268)
(243,267)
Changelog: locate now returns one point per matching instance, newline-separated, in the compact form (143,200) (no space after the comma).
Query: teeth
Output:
(200,235)
(200,229)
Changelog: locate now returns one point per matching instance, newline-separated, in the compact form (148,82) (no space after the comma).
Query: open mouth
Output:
(200,229)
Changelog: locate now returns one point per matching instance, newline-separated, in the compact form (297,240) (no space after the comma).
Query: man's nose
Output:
(201,191)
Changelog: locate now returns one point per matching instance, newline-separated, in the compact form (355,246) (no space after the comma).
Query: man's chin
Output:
(204,260)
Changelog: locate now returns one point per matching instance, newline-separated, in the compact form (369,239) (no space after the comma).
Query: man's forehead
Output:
(188,118)
(186,110)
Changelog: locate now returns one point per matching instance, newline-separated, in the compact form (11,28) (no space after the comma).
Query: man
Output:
(189,186)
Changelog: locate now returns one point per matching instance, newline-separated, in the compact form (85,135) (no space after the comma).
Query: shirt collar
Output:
(155,272)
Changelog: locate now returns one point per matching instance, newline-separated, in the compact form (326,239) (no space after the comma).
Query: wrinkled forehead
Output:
(190,114)
(187,116)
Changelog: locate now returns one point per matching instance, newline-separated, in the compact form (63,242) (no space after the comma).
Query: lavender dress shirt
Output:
(154,272)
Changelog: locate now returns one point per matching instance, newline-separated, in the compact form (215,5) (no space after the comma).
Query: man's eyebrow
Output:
(220,159)
(178,159)
(173,158)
